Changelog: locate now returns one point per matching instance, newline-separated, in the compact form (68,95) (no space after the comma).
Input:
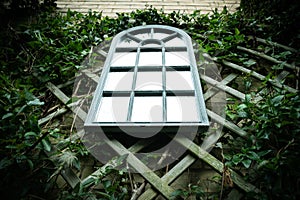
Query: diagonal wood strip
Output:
(215,164)
(140,167)
(169,177)
(269,58)
(276,83)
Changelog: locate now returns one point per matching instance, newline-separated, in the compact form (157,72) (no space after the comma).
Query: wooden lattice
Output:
(161,185)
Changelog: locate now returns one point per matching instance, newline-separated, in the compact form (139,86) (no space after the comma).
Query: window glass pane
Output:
(175,42)
(124,59)
(181,109)
(179,80)
(149,81)
(147,109)
(150,59)
(119,81)
(177,58)
(113,109)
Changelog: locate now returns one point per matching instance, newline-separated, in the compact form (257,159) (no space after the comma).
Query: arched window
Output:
(149,79)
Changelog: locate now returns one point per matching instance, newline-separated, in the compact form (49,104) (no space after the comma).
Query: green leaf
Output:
(5,162)
(236,159)
(29,134)
(106,196)
(252,155)
(46,145)
(7,115)
(246,163)
(242,106)
(247,97)
(35,102)
(30,163)
(176,193)
(263,153)
(106,184)
(249,62)
(242,114)
(219,145)
(232,116)
(237,32)
(276,100)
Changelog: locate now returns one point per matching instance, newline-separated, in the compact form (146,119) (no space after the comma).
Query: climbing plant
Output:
(52,47)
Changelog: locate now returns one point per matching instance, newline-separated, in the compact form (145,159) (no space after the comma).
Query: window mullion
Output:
(133,85)
(164,85)
(152,33)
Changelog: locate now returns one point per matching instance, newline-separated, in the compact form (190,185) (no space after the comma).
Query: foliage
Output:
(271,150)
(26,4)
(278,18)
(52,48)
(193,190)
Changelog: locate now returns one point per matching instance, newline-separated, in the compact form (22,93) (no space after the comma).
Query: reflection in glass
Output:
(179,80)
(181,109)
(177,58)
(113,109)
(147,109)
(119,81)
(150,59)
(149,81)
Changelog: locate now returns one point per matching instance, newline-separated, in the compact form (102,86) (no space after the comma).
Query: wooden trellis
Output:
(161,185)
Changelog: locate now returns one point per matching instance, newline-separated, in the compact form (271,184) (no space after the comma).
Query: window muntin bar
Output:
(129,115)
(164,84)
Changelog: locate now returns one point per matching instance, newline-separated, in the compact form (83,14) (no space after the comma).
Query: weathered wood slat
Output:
(275,44)
(56,113)
(70,82)
(212,91)
(63,98)
(140,167)
(231,126)
(269,58)
(134,148)
(215,164)
(91,75)
(101,52)
(52,115)
(223,87)
(276,83)
(174,173)
(69,175)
